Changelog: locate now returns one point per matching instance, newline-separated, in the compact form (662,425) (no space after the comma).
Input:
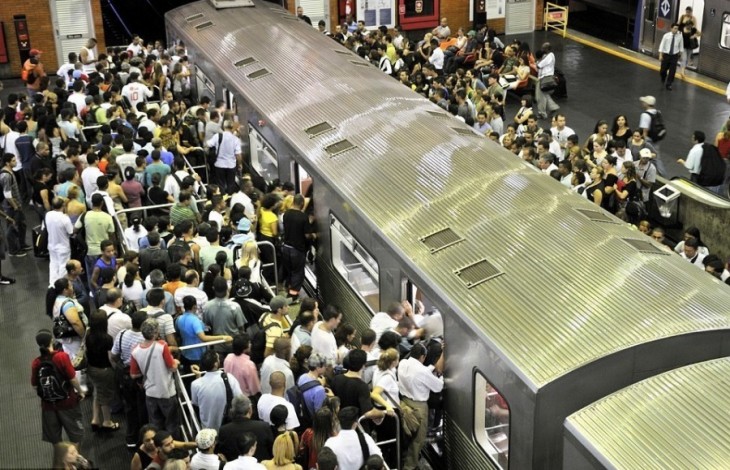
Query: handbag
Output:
(548,83)
(79,360)
(62,328)
(694,43)
(410,418)
(213,152)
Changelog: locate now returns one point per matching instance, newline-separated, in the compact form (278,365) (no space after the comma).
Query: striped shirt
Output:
(129,341)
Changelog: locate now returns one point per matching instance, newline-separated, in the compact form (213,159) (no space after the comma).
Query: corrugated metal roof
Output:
(679,419)
(572,290)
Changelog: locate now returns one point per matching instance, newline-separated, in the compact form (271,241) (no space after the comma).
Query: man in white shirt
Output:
(346,445)
(382,321)
(69,66)
(268,401)
(136,46)
(323,338)
(128,158)
(135,91)
(246,444)
(437,56)
(60,229)
(694,157)
(116,319)
(90,177)
(242,197)
(561,132)
(691,253)
(416,382)
(208,392)
(670,49)
(277,362)
(442,31)
(228,160)
(192,279)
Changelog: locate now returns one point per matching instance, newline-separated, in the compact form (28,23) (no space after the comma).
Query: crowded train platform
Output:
(156,284)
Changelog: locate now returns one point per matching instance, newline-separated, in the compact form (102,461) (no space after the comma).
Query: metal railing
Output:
(386,442)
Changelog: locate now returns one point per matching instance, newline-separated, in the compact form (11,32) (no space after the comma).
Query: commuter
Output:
(98,226)
(66,456)
(98,346)
(323,338)
(241,422)
(267,402)
(646,174)
(223,316)
(116,319)
(153,362)
(276,324)
(59,404)
(352,390)
(211,392)
(546,68)
(298,231)
(246,449)
(229,159)
(301,334)
(191,288)
(239,365)
(206,458)
(277,362)
(385,321)
(671,48)
(157,299)
(347,444)
(694,157)
(285,451)
(154,256)
(12,206)
(192,332)
(314,395)
(60,229)
(327,460)
(33,72)
(691,252)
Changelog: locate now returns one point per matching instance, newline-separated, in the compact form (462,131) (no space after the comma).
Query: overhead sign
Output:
(665,9)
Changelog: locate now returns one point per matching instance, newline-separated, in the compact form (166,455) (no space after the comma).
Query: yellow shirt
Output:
(265,220)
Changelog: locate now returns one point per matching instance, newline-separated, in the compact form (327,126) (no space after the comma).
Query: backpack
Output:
(177,249)
(258,338)
(295,396)
(712,167)
(2,193)
(50,385)
(657,129)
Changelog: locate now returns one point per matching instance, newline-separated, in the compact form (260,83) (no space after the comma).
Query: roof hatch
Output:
(318,129)
(476,273)
(339,147)
(440,239)
(258,74)
(596,216)
(644,246)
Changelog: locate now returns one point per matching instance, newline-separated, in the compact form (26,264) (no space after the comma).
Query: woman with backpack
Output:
(54,377)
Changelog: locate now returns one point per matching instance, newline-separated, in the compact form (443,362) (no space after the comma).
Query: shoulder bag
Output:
(409,416)
(548,83)
(62,328)
(79,360)
(212,155)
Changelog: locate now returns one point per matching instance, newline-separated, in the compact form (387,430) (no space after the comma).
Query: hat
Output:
(650,100)
(205,438)
(471,33)
(43,338)
(35,52)
(644,153)
(278,302)
(244,225)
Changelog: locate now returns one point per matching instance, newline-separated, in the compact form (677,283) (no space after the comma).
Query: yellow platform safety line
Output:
(644,63)
(556,18)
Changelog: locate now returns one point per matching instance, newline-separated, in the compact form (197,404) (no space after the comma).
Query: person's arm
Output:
(597,197)
(170,361)
(72,315)
(95,278)
(208,338)
(46,202)
(136,463)
(376,396)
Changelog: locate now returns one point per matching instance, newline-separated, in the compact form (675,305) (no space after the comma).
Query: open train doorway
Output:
(302,181)
(423,308)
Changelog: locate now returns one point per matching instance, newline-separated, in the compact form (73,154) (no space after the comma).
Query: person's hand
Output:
(195,369)
(228,339)
(389,411)
(82,395)
(407,308)
(680,161)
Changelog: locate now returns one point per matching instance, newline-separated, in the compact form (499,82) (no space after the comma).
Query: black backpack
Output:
(712,167)
(258,339)
(50,385)
(295,395)
(657,129)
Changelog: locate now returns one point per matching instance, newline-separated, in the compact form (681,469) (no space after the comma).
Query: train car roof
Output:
(678,419)
(552,281)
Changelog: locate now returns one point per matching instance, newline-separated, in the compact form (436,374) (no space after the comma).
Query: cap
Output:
(644,153)
(43,338)
(35,52)
(471,33)
(205,438)
(650,100)
(278,302)
(244,225)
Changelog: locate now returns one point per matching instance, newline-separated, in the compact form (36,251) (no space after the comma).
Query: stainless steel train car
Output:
(714,56)
(549,304)
(675,420)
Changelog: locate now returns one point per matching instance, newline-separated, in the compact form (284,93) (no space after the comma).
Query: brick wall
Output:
(42,36)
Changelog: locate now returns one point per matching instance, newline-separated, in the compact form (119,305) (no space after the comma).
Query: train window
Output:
(263,156)
(491,420)
(355,264)
(725,31)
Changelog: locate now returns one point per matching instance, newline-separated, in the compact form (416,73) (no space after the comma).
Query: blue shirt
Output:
(208,393)
(314,397)
(165,157)
(189,325)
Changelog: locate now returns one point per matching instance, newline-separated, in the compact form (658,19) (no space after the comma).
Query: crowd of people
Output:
(104,157)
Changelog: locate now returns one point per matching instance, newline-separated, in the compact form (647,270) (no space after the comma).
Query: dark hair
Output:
(245,442)
(241,342)
(327,459)
(155,296)
(699,136)
(342,332)
(209,361)
(368,337)
(418,350)
(220,287)
(332,311)
(189,303)
(348,417)
(389,339)
(160,436)
(132,271)
(357,359)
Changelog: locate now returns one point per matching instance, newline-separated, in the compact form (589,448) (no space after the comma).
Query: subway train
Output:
(549,303)
(675,420)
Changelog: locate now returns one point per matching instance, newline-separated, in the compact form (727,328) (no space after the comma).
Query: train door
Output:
(203,84)
(303,185)
(263,156)
(698,10)
(73,26)
(648,31)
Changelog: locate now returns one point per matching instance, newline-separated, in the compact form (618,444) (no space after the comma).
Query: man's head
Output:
(220,287)
(277,381)
(357,359)
(210,362)
(690,247)
(164,443)
(282,348)
(240,407)
(698,137)
(348,417)
(156,297)
(332,317)
(279,305)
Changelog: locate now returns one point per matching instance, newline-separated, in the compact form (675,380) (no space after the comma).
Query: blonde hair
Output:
(387,359)
(60,450)
(285,447)
(250,251)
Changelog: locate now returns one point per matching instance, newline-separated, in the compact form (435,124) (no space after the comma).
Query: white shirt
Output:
(59,228)
(244,463)
(696,261)
(346,447)
(108,202)
(217,217)
(88,178)
(201,461)
(416,381)
(380,323)
(8,142)
(437,59)
(90,57)
(388,382)
(209,394)
(126,160)
(274,364)
(136,93)
(694,159)
(324,342)
(666,44)
(132,237)
(173,188)
(561,135)
(546,66)
(116,320)
(243,199)
(79,99)
(267,402)
(230,147)
(200,298)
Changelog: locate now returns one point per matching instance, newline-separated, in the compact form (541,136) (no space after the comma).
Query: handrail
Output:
(191,425)
(700,193)
(556,17)
(274,264)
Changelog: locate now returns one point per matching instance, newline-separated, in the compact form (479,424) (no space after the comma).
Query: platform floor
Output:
(601,85)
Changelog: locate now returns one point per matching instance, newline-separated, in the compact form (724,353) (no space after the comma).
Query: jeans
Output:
(544,99)
(293,262)
(164,413)
(16,232)
(226,179)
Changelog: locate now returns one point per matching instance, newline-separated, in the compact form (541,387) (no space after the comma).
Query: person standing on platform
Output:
(229,158)
(546,68)
(670,49)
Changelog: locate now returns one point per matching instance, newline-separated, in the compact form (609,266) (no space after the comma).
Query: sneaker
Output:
(17,254)
(26,248)
(6,281)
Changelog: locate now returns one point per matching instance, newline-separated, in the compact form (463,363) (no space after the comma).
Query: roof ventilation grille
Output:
(290,17)
(440,239)
(220,4)
(204,25)
(318,129)
(342,51)
(438,114)
(339,147)
(596,216)
(644,246)
(258,74)
(194,17)
(359,63)
(462,131)
(244,62)
(477,273)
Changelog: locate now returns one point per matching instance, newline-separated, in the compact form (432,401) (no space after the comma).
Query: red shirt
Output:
(723,145)
(63,363)
(166,356)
